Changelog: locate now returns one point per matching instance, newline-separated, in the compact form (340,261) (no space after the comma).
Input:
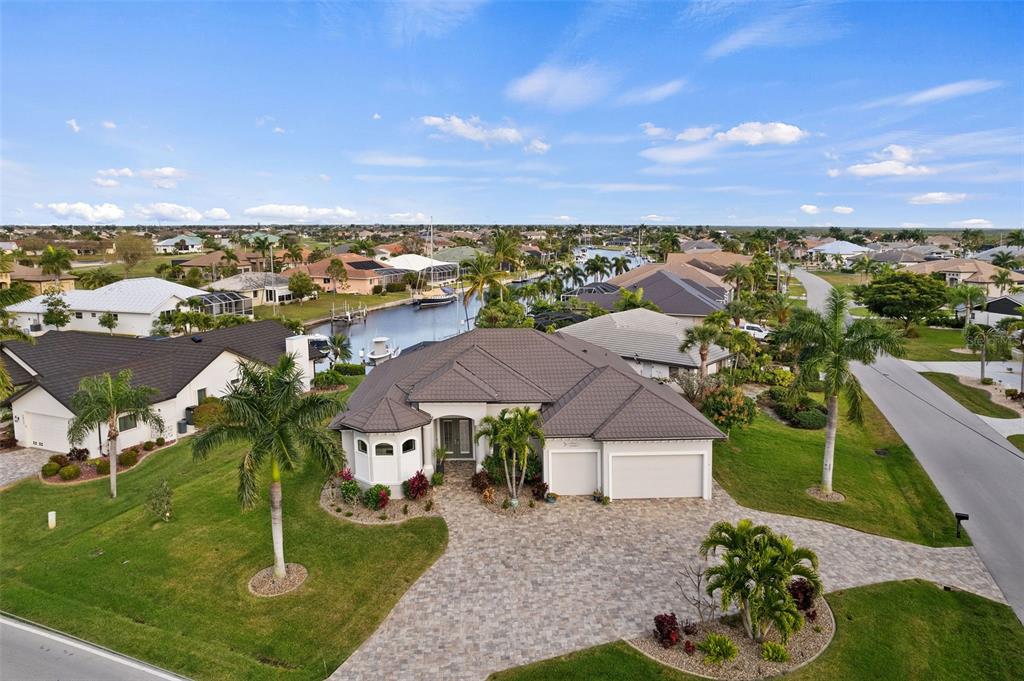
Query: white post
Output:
(51,519)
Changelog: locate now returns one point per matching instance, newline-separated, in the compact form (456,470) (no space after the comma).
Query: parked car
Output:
(756,330)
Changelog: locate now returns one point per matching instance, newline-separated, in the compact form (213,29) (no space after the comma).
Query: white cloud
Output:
(833,172)
(217,214)
(912,225)
(654,132)
(894,161)
(810,209)
(695,134)
(537,146)
(560,88)
(324,177)
(755,133)
(611,187)
(115,172)
(383,158)
(376,117)
(842,210)
(102,212)
(594,138)
(263,120)
(298,213)
(473,129)
(410,19)
(929,198)
(105,182)
(797,24)
(654,217)
(941,93)
(973,223)
(409,218)
(169,211)
(896,152)
(110,125)
(652,94)
(279,131)
(567,218)
(675,153)
(163,178)
(73,124)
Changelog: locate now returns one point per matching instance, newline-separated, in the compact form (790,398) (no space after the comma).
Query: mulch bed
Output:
(803,646)
(88,468)
(398,510)
(264,585)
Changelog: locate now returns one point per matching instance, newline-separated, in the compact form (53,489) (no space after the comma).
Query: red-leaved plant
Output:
(416,486)
(345,474)
(666,629)
(689,648)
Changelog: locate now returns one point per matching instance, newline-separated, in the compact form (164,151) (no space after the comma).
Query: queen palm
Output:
(1003,280)
(668,242)
(575,275)
(108,399)
(340,348)
(828,346)
(262,246)
(1015,238)
(295,253)
(632,299)
(703,337)
(1006,260)
(55,261)
(505,245)
(620,265)
(738,274)
(967,295)
(865,266)
(597,267)
(95,277)
(511,434)
(267,411)
(987,341)
(480,275)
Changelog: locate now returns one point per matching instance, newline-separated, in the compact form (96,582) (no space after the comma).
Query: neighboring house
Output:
(700,246)
(844,249)
(674,296)
(684,270)
(929,252)
(363,273)
(138,303)
(430,270)
(186,243)
(1013,251)
(965,270)
(387,251)
(41,283)
(606,428)
(901,257)
(717,262)
(88,246)
(273,239)
(998,308)
(183,371)
(261,288)
(648,341)
(248,261)
(458,254)
(943,241)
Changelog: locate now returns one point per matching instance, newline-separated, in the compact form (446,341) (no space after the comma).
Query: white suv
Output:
(756,330)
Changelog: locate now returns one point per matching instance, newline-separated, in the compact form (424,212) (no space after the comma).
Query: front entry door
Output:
(457,438)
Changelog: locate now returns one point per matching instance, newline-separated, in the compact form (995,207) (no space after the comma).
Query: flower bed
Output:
(395,511)
(803,646)
(88,468)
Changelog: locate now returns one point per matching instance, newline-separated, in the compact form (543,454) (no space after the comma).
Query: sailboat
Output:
(442,296)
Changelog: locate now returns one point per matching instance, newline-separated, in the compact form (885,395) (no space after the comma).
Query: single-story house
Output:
(966,270)
(843,249)
(186,243)
(261,288)
(684,270)
(1016,252)
(458,254)
(42,283)
(897,257)
(388,251)
(606,428)
(996,309)
(214,261)
(715,262)
(431,270)
(673,295)
(648,341)
(700,246)
(363,273)
(183,371)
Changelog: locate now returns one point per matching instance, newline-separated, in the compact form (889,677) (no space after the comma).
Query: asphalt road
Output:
(29,653)
(977,470)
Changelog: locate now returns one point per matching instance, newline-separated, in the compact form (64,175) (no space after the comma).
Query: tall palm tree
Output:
(480,275)
(865,266)
(505,247)
(575,275)
(738,274)
(295,254)
(267,411)
(1015,238)
(967,295)
(55,262)
(107,399)
(95,277)
(1003,280)
(340,348)
(512,434)
(668,242)
(630,299)
(262,246)
(988,341)
(1006,260)
(828,346)
(597,267)
(703,337)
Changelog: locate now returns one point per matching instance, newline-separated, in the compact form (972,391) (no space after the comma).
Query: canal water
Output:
(407,325)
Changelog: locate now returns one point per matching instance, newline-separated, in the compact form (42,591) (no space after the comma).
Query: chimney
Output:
(299,347)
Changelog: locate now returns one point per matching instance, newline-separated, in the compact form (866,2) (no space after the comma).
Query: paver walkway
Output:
(576,574)
(20,463)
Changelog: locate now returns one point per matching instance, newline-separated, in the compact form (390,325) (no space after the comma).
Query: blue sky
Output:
(724,112)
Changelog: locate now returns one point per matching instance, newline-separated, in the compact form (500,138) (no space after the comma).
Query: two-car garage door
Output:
(652,476)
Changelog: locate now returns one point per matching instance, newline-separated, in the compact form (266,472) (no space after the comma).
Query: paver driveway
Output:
(576,574)
(20,463)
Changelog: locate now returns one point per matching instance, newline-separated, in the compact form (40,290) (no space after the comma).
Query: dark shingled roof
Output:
(583,390)
(61,359)
(673,295)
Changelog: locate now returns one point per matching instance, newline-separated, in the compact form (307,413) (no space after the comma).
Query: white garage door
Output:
(573,472)
(655,477)
(46,432)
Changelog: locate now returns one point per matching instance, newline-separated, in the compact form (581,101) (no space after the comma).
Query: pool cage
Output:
(222,302)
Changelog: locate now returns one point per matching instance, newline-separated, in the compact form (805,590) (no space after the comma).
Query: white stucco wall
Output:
(128,324)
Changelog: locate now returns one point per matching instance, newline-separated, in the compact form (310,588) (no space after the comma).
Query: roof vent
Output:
(197,339)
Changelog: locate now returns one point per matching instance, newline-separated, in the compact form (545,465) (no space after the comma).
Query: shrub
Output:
(377,497)
(809,420)
(778,393)
(349,369)
(60,459)
(540,491)
(689,648)
(69,472)
(129,457)
(488,495)
(159,501)
(728,407)
(666,629)
(377,289)
(78,454)
(717,648)
(803,593)
(437,479)
(690,627)
(50,469)
(774,652)
(103,466)
(349,491)
(396,287)
(148,445)
(328,379)
(416,486)
(161,441)
(817,386)
(346,474)
(987,381)
(481,481)
(496,469)
(1011,392)
(208,413)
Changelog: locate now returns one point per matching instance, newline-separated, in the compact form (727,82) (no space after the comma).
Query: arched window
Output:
(384,449)
(362,446)
(409,446)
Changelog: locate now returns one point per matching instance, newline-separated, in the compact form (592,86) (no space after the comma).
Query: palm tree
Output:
(738,274)
(512,434)
(267,411)
(781,307)
(107,399)
(1003,280)
(668,242)
(340,347)
(95,277)
(967,295)
(620,265)
(865,266)
(262,246)
(337,272)
(55,262)
(702,336)
(1015,238)
(828,346)
(1006,260)
(633,299)
(598,267)
(739,309)
(1013,327)
(505,245)
(480,275)
(987,340)
(7,333)
(575,275)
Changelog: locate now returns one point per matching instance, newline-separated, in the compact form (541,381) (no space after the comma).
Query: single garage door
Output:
(573,472)
(46,432)
(657,476)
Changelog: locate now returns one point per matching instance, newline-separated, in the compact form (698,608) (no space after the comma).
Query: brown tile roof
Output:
(716,263)
(683,270)
(357,266)
(979,271)
(583,390)
(22,273)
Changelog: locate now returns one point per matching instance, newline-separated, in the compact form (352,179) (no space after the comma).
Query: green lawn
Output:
(769,465)
(897,630)
(840,278)
(1017,441)
(321,307)
(175,594)
(146,268)
(935,345)
(975,399)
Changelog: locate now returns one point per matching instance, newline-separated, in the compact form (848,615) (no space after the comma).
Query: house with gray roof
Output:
(674,295)
(648,341)
(606,428)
